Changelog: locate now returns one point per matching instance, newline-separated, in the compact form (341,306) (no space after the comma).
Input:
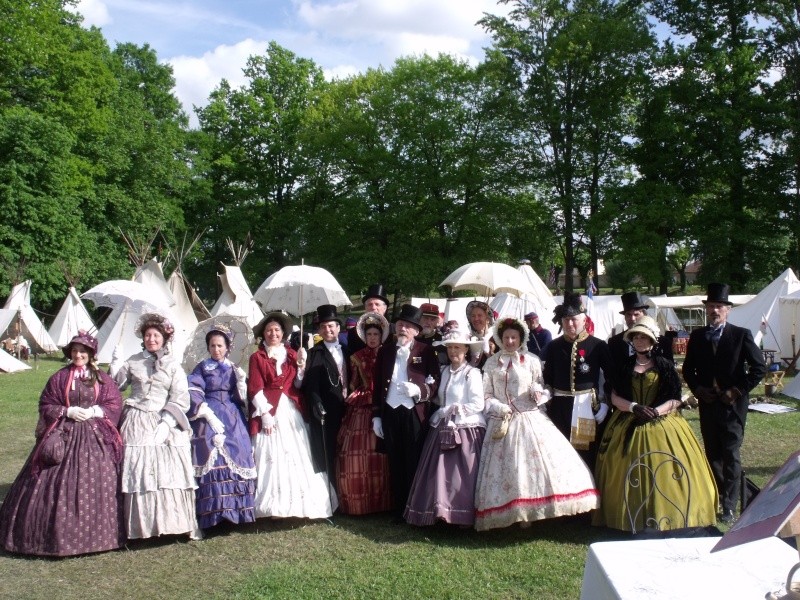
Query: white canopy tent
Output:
(71,318)
(19,301)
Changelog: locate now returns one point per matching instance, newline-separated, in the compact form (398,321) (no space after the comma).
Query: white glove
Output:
(215,424)
(76,413)
(97,412)
(601,413)
(409,389)
(267,423)
(161,433)
(377,426)
(496,408)
(301,359)
(501,410)
(116,360)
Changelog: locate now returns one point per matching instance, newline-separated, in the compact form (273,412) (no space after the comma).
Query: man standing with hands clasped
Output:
(406,379)
(722,365)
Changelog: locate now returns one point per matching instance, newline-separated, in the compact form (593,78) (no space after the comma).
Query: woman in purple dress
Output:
(221,450)
(67,499)
(444,485)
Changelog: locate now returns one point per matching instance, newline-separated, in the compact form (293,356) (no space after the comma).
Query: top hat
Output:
(84,339)
(410,314)
(632,301)
(281,318)
(429,310)
(376,291)
(327,312)
(718,292)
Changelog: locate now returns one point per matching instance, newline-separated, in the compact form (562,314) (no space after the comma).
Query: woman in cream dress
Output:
(528,471)
(157,474)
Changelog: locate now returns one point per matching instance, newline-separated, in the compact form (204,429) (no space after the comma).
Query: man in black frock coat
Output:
(722,365)
(406,380)
(324,390)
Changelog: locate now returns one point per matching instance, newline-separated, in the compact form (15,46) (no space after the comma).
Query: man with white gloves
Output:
(577,372)
(406,379)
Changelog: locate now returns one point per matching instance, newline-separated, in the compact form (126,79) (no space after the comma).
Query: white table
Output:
(684,569)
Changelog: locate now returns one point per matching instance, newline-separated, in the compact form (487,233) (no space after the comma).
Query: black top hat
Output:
(572,305)
(632,301)
(718,292)
(376,291)
(410,313)
(327,312)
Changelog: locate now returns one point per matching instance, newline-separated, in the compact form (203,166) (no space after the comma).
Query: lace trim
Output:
(243,472)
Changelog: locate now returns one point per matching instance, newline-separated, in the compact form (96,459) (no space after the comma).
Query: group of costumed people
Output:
(431,423)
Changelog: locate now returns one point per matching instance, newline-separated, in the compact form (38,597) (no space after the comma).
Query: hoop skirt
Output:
(226,473)
(623,441)
(74,507)
(532,472)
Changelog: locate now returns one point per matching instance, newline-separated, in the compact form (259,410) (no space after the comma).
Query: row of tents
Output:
(771,315)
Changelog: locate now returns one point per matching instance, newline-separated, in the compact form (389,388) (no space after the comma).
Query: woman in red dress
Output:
(362,471)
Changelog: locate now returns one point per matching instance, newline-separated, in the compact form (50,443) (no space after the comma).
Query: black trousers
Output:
(403,435)
(723,433)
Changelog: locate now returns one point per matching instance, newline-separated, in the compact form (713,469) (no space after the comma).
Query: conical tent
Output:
(186,300)
(30,326)
(236,298)
(71,318)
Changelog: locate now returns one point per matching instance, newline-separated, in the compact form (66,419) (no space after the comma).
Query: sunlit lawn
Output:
(350,557)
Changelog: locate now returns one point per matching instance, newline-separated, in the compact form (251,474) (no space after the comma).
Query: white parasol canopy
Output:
(488,278)
(299,290)
(242,346)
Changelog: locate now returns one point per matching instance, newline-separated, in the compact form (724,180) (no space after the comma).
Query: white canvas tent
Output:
(9,364)
(772,314)
(189,309)
(19,301)
(72,317)
(236,298)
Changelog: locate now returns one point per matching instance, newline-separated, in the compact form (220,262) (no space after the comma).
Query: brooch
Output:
(416,360)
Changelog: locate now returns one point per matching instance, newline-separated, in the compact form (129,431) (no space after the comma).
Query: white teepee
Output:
(19,300)
(236,298)
(72,317)
(9,364)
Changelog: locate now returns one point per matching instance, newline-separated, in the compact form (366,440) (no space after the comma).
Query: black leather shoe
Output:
(727,516)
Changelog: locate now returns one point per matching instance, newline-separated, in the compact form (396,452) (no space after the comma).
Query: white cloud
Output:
(95,13)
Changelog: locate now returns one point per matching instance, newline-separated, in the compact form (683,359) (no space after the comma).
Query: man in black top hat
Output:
(325,388)
(577,371)
(722,365)
(406,380)
(374,300)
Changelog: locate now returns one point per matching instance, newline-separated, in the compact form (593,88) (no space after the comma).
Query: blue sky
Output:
(207,40)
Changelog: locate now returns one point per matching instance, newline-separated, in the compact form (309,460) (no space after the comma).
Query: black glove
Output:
(644,414)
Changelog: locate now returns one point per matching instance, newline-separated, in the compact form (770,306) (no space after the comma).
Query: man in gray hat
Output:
(722,365)
(406,379)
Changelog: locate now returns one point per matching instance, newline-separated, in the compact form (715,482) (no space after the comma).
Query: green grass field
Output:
(350,557)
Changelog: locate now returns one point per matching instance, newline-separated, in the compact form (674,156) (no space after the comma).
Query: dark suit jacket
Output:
(422,363)
(321,386)
(737,363)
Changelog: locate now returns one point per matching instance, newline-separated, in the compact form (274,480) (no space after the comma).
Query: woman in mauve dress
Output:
(362,471)
(221,450)
(444,486)
(66,500)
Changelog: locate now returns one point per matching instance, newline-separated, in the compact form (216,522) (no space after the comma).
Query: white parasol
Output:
(299,290)
(242,346)
(488,278)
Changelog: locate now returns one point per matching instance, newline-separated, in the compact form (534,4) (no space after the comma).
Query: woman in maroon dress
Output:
(67,500)
(362,472)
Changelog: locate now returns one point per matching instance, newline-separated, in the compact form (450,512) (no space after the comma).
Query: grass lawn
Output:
(352,557)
